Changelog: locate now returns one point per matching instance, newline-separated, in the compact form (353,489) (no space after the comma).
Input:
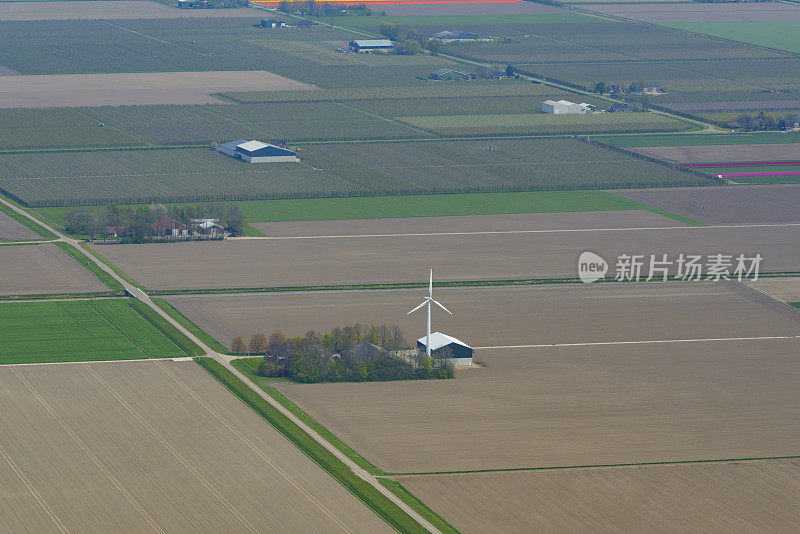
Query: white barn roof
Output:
(439,340)
(372,43)
(250,146)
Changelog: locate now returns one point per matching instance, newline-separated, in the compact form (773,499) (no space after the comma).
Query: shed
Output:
(461,353)
(271,23)
(256,151)
(370,45)
(561,107)
(169,227)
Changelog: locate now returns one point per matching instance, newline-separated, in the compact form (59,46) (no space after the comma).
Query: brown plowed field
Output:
(119,9)
(740,12)
(567,406)
(726,205)
(11,230)
(359,260)
(757,496)
(723,153)
(516,315)
(154,446)
(470,223)
(59,90)
(40,269)
(467,8)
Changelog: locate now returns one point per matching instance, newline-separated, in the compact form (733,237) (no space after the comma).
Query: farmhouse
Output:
(271,23)
(562,107)
(450,74)
(256,151)
(460,353)
(371,45)
(169,227)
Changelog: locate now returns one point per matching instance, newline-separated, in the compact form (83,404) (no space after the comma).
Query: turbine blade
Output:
(430,285)
(418,307)
(441,306)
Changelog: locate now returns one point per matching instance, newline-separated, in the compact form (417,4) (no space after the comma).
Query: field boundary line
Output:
(90,453)
(644,342)
(503,232)
(174,451)
(134,31)
(594,466)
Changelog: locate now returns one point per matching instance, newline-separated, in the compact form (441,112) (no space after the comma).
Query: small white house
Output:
(256,152)
(461,353)
(561,107)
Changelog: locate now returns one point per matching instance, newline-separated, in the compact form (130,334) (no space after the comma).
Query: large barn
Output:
(561,107)
(371,45)
(256,151)
(460,352)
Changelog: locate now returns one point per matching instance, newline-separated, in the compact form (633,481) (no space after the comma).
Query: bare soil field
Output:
(146,446)
(11,230)
(740,12)
(41,269)
(726,205)
(723,153)
(466,8)
(288,262)
(783,289)
(518,315)
(117,9)
(469,223)
(568,406)
(724,497)
(60,90)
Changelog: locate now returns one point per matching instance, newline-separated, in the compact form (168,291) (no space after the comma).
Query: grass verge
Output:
(386,509)
(187,323)
(246,369)
(418,506)
(91,266)
(177,337)
(39,229)
(122,274)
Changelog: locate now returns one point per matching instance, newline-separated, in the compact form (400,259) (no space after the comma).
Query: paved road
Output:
(225,360)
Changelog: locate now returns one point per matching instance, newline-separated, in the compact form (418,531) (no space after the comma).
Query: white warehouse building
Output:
(256,152)
(561,107)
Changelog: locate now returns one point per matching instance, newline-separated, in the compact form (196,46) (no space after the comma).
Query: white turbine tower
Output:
(427,302)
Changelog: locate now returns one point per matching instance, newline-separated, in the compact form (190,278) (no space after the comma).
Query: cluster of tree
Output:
(137,222)
(321,9)
(350,354)
(752,123)
(409,42)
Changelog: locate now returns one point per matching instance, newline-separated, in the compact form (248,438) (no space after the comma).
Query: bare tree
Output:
(258,344)
(238,346)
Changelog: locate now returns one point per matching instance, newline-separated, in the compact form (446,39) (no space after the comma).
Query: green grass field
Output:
(628,141)
(782,35)
(80,330)
(541,123)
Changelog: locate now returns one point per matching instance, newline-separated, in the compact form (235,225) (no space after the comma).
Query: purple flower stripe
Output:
(744,164)
(768,173)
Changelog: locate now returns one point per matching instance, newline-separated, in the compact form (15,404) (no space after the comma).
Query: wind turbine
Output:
(427,302)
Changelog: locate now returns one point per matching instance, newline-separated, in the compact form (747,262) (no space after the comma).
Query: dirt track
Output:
(11,230)
(59,90)
(726,205)
(570,406)
(104,455)
(40,269)
(118,9)
(307,262)
(728,497)
(517,315)
(470,223)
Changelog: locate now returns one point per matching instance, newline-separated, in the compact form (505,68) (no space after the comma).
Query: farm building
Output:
(169,227)
(271,23)
(256,152)
(562,107)
(450,74)
(456,36)
(460,352)
(370,45)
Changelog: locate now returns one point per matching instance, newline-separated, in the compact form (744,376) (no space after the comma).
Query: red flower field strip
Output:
(744,164)
(766,173)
